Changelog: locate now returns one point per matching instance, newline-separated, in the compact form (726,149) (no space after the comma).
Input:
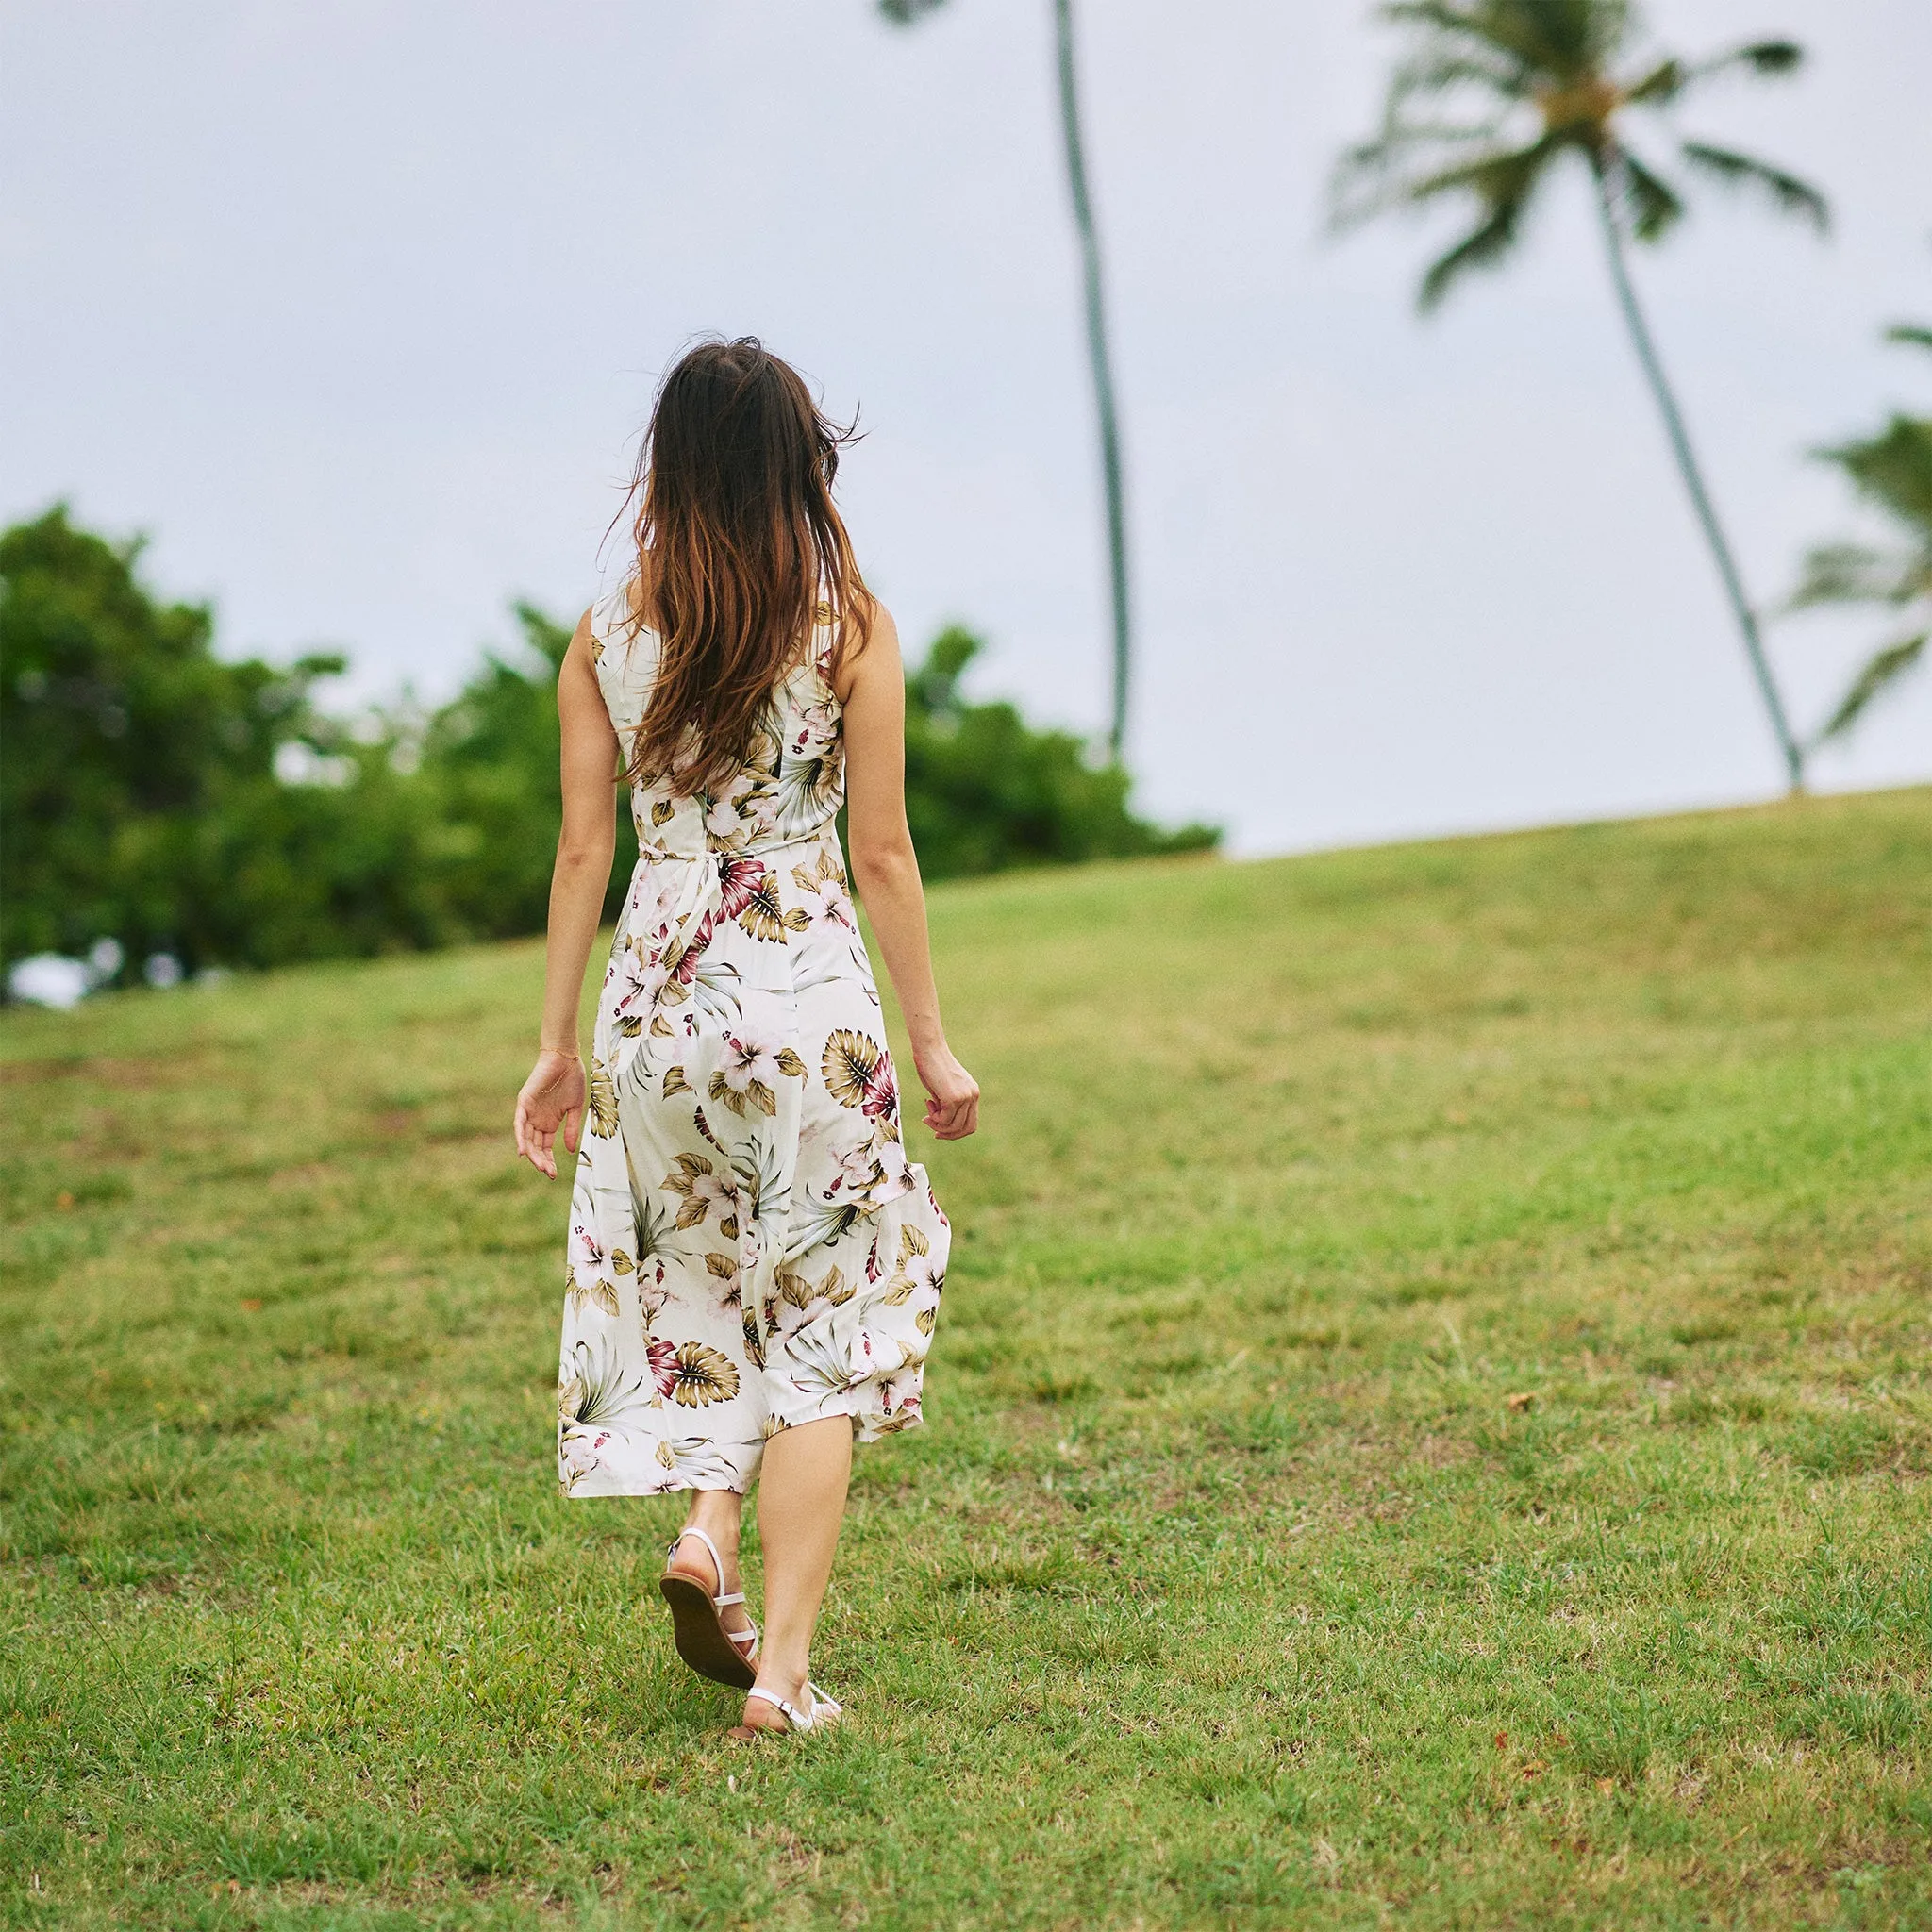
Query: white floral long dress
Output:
(749,1247)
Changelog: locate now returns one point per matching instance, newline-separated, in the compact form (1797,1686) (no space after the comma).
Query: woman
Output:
(755,1266)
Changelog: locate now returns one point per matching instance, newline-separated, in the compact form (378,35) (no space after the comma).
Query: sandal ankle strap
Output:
(717,1561)
(798,1720)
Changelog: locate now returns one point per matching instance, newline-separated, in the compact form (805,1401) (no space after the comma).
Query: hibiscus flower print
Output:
(701,1187)
(915,1280)
(653,1295)
(753,1066)
(744,809)
(578,1456)
(725,1292)
(819,724)
(577,1291)
(797,1303)
(899,1398)
(857,1168)
(723,821)
(644,988)
(825,896)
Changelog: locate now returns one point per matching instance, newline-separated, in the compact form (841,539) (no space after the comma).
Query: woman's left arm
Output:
(553,1096)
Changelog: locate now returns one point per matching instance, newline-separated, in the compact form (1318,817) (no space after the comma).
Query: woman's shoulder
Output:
(616,616)
(873,652)
(622,650)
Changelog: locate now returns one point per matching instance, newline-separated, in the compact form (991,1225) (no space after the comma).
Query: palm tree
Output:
(1895,469)
(1489,99)
(903,12)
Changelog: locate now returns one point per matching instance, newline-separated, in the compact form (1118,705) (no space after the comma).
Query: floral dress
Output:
(749,1247)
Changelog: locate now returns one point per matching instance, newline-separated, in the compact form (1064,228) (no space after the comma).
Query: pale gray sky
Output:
(356,307)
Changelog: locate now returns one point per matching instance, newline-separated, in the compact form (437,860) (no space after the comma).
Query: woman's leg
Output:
(802,1488)
(717,1514)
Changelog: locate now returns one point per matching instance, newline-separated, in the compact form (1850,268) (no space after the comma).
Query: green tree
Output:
(487,764)
(985,790)
(1488,100)
(139,794)
(1892,470)
(1099,358)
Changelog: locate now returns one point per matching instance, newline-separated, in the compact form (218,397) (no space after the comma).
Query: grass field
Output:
(1430,1426)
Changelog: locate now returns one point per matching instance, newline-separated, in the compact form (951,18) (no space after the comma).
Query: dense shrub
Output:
(985,790)
(139,791)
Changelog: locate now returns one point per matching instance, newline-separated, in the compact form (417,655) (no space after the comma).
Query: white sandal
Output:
(697,1623)
(824,1711)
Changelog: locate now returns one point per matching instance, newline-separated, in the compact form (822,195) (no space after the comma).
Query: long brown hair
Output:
(740,555)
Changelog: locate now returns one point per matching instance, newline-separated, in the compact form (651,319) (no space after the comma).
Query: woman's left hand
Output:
(553,1097)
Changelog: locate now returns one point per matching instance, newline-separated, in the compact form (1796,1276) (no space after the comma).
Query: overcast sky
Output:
(357,310)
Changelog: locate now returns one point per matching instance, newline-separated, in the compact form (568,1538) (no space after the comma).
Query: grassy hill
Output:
(1430,1425)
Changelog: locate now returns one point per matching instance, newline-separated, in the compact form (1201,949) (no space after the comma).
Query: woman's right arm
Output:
(553,1096)
(885,869)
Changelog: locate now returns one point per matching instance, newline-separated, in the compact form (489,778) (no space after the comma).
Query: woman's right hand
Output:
(952,1104)
(553,1098)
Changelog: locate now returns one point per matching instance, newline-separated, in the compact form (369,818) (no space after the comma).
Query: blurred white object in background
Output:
(49,979)
(53,979)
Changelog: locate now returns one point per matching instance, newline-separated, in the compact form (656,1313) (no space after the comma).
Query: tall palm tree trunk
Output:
(1103,375)
(1693,475)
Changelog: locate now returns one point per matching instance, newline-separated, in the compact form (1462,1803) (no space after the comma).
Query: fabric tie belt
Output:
(716,886)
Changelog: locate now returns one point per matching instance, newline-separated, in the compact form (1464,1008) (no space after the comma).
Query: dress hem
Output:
(865,1429)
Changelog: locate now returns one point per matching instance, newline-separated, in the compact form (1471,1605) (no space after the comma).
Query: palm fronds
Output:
(1882,669)
(1855,574)
(1789,195)
(1486,100)
(1489,95)
(1892,470)
(1486,246)
(1651,204)
(1767,60)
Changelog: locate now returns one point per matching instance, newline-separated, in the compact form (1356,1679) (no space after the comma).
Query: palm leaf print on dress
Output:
(703,1377)
(603,1100)
(859,1073)
(763,915)
(597,1391)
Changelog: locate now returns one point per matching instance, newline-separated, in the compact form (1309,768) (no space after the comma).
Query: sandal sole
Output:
(700,1636)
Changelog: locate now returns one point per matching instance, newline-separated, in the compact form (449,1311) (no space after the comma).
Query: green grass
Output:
(1430,1426)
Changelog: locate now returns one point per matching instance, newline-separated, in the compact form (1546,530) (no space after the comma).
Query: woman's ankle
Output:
(787,1680)
(720,1522)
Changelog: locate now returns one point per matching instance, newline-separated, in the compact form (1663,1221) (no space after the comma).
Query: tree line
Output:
(216,813)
